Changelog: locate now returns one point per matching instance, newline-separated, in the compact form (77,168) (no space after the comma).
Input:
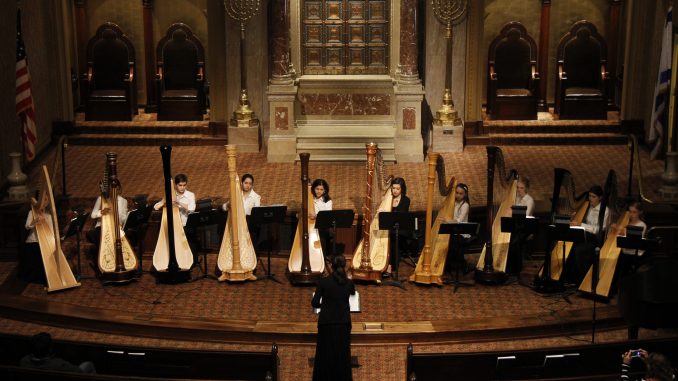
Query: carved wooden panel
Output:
(345,36)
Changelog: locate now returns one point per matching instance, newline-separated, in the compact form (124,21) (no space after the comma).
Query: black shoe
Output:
(385,275)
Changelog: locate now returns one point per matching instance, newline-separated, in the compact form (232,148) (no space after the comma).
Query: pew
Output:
(582,362)
(154,363)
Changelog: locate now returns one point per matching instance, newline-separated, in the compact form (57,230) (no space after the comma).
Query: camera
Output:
(635,353)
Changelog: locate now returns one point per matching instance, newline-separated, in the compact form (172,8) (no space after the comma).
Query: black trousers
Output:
(31,268)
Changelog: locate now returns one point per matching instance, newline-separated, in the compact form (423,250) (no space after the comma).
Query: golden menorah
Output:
(242,11)
(448,12)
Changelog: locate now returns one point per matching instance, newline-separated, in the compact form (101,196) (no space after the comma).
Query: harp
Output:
(116,260)
(172,258)
(371,255)
(609,252)
(237,259)
(564,201)
(432,263)
(57,270)
(306,263)
(501,195)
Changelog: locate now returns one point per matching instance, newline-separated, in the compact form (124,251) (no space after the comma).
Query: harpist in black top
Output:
(400,203)
(333,346)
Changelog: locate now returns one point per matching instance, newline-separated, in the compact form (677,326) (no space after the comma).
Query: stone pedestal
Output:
(408,143)
(18,191)
(669,189)
(246,138)
(281,144)
(447,136)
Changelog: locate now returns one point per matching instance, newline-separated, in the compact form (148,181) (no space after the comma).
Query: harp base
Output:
(304,277)
(367,275)
(53,289)
(426,278)
(237,276)
(547,285)
(119,276)
(173,277)
(491,277)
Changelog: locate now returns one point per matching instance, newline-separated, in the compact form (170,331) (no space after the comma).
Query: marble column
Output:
(149,49)
(408,91)
(409,73)
(279,42)
(281,143)
(81,37)
(613,48)
(544,51)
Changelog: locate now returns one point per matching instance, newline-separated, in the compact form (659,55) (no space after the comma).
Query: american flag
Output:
(24,98)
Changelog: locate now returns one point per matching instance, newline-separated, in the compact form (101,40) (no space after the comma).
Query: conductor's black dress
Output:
(333,347)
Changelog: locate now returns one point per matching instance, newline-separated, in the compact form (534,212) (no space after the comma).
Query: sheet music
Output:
(353,302)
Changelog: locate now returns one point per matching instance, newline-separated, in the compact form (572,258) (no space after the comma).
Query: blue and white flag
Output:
(660,114)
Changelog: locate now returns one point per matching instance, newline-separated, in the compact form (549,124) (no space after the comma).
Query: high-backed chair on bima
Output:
(109,81)
(181,75)
(513,80)
(582,79)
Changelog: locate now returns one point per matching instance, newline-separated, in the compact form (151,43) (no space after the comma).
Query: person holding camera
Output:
(657,366)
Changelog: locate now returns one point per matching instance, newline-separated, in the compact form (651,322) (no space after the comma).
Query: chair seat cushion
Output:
(108,94)
(513,93)
(180,94)
(582,92)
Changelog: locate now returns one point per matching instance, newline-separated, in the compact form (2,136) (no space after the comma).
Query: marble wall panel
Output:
(282,115)
(344,104)
(409,118)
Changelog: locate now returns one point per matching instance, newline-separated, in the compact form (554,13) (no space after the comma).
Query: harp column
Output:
(408,89)
(448,128)
(282,140)
(243,128)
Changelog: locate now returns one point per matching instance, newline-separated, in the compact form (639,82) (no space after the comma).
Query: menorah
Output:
(242,11)
(448,12)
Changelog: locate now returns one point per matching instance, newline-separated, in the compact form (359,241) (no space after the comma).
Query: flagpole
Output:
(668,191)
(672,101)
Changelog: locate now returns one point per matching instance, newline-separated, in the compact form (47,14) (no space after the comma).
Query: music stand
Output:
(456,241)
(333,219)
(560,231)
(395,221)
(196,220)
(519,226)
(271,216)
(74,228)
(634,240)
(136,220)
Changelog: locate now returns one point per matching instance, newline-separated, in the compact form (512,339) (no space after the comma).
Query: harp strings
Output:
(444,187)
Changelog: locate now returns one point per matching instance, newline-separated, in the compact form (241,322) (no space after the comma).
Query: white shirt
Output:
(528,201)
(251,200)
(186,202)
(30,225)
(460,212)
(590,223)
(122,211)
(321,205)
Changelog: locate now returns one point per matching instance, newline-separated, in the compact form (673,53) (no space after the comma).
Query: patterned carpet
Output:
(140,172)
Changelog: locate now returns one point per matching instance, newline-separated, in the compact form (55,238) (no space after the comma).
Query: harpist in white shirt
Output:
(250,198)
